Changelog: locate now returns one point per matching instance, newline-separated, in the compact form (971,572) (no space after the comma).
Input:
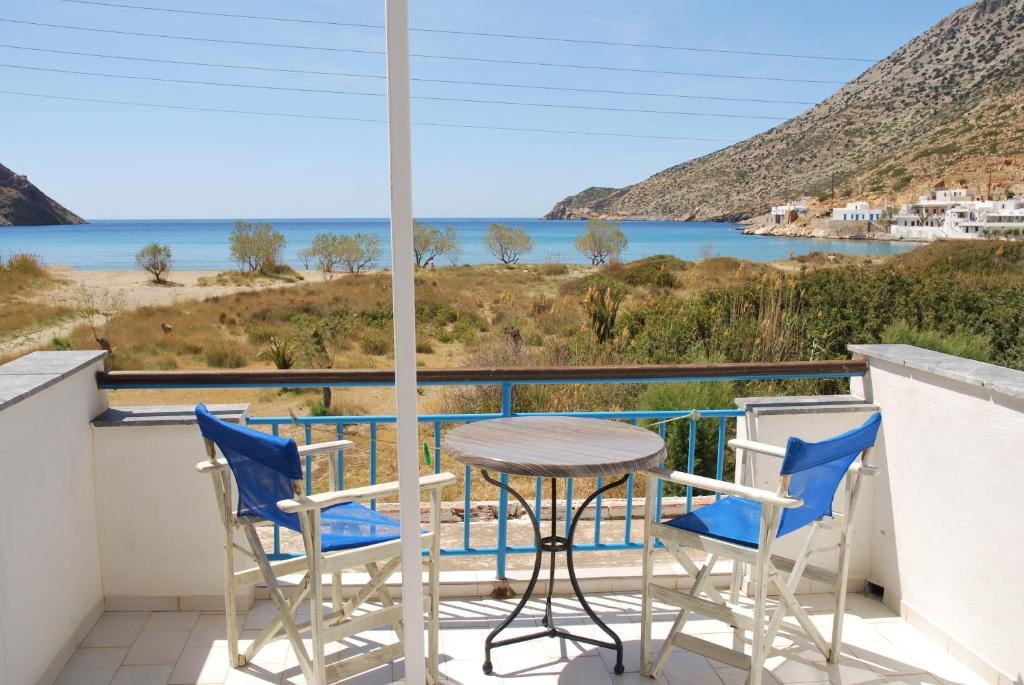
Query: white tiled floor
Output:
(177,648)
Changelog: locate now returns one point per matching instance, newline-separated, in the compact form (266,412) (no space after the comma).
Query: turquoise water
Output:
(203,244)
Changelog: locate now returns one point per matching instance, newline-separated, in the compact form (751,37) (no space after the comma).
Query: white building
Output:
(856,211)
(955,214)
(788,213)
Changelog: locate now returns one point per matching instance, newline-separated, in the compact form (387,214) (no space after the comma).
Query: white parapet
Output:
(50,591)
(947,542)
(160,536)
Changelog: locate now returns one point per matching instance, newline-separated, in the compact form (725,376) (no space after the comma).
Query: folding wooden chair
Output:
(743,526)
(337,532)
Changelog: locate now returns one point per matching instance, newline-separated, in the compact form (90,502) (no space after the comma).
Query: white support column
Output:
(404,303)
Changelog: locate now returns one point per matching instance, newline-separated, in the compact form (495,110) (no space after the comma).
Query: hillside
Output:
(945,108)
(22,204)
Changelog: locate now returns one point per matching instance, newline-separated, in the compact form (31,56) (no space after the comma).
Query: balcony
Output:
(111,568)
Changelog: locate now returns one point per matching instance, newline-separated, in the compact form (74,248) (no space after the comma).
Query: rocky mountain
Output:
(946,108)
(22,204)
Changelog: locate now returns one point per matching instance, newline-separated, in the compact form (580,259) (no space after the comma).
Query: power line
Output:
(481,34)
(494,84)
(295,115)
(488,60)
(295,89)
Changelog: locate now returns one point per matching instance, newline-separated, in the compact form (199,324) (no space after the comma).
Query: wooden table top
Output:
(555,446)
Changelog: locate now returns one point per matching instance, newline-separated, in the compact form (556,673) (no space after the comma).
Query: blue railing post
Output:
(691,457)
(506,410)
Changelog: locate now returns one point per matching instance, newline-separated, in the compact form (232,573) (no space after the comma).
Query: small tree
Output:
(601,240)
(256,247)
(507,243)
(453,245)
(428,243)
(358,251)
(326,251)
(306,256)
(156,259)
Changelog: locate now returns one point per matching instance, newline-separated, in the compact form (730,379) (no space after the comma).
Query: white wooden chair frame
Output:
(768,571)
(380,561)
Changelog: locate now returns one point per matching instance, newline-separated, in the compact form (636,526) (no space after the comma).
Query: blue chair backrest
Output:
(816,469)
(264,466)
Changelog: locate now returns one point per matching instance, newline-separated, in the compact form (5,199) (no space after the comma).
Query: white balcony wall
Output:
(160,536)
(50,584)
(774,420)
(947,543)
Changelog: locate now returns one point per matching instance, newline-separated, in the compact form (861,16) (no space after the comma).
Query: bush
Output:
(958,344)
(506,243)
(24,264)
(684,396)
(61,343)
(424,347)
(223,358)
(156,259)
(376,343)
(256,247)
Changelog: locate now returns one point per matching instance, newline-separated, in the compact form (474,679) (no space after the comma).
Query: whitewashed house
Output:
(857,211)
(953,214)
(789,212)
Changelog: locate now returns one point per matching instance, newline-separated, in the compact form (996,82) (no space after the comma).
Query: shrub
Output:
(376,343)
(424,347)
(61,343)
(553,269)
(602,305)
(958,344)
(506,243)
(223,358)
(601,241)
(156,259)
(256,247)
(683,396)
(281,352)
(24,264)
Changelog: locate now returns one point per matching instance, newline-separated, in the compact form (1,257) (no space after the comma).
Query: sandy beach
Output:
(138,290)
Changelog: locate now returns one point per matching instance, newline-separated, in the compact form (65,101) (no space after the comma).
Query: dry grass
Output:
(22,278)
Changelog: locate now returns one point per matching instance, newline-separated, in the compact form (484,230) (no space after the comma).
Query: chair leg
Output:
(700,579)
(336,591)
(734,597)
(230,603)
(434,573)
(311,535)
(758,636)
(646,601)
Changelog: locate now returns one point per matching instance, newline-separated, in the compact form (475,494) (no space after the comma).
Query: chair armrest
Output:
(206,466)
(322,500)
(759,447)
(317,447)
(725,487)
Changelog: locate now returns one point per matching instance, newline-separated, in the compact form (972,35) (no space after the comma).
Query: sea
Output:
(203,244)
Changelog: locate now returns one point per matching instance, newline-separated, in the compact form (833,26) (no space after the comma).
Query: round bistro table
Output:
(554,447)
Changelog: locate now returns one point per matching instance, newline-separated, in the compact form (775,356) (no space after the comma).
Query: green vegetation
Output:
(356,252)
(507,243)
(22,277)
(156,259)
(256,247)
(428,243)
(959,344)
(601,241)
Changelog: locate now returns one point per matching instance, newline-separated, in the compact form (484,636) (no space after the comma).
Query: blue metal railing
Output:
(501,549)
(507,379)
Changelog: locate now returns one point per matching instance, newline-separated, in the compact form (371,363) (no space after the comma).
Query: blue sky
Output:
(105,161)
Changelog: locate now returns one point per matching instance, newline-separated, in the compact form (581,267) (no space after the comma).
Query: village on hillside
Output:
(942,214)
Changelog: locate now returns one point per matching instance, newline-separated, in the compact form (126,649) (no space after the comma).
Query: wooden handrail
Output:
(482,376)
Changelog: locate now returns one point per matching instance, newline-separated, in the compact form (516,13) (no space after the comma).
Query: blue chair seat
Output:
(732,519)
(349,525)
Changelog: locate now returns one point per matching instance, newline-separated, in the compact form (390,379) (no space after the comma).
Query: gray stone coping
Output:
(804,404)
(167,415)
(25,376)
(994,378)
